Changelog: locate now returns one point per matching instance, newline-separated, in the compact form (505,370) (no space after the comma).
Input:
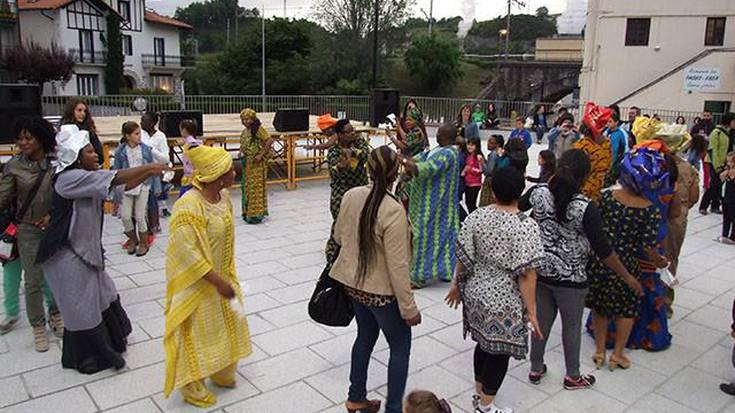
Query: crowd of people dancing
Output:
(600,227)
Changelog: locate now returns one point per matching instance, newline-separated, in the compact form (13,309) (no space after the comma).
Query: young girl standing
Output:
(132,153)
(188,129)
(472,173)
(728,201)
(494,152)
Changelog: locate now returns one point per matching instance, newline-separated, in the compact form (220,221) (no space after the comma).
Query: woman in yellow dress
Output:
(255,145)
(205,337)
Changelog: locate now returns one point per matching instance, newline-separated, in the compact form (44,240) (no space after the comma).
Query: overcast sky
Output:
(484,9)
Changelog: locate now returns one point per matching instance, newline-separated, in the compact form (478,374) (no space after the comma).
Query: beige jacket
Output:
(388,274)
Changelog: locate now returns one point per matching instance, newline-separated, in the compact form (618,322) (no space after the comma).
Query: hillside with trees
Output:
(333,54)
(484,37)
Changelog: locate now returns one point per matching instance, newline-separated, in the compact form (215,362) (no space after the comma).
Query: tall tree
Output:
(352,21)
(114,80)
(211,19)
(238,68)
(435,60)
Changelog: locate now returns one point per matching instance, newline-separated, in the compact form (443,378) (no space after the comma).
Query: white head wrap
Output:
(70,140)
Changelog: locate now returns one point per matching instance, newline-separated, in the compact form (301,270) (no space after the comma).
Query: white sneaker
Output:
(725,240)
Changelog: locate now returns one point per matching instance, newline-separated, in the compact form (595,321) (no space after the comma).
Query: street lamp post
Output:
(431,15)
(376,18)
(507,32)
(262,52)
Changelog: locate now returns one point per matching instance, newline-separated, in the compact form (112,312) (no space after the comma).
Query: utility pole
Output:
(507,26)
(507,31)
(284,9)
(262,51)
(375,43)
(431,15)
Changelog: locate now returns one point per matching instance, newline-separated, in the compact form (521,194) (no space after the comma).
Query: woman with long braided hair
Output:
(373,265)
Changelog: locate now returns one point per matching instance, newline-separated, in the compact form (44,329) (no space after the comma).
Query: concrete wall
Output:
(669,93)
(559,49)
(612,70)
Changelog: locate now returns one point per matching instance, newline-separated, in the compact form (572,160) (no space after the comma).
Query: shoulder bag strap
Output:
(32,194)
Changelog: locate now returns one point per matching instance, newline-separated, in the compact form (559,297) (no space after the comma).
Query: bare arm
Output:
(453,298)
(527,286)
(613,262)
(223,287)
(133,177)
(658,260)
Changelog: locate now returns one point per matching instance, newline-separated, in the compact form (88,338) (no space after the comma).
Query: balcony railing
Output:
(173,61)
(8,11)
(88,57)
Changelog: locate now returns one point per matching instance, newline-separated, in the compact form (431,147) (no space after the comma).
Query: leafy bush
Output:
(33,63)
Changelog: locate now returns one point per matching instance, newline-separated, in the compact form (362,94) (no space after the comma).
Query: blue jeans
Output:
(370,321)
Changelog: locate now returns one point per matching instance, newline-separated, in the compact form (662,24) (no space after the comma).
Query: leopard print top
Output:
(369,299)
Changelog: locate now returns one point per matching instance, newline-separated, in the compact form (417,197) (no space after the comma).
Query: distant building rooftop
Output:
(153,17)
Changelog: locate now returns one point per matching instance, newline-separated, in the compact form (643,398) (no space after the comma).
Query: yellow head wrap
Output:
(209,163)
(645,128)
(248,114)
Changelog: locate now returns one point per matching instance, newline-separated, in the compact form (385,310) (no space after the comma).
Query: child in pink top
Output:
(188,129)
(472,173)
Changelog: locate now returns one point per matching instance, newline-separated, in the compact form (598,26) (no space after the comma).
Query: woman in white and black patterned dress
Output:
(498,251)
(571,229)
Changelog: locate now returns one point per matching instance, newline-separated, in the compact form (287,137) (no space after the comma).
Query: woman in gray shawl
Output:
(72,257)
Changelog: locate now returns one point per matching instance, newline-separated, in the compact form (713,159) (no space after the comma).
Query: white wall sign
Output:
(702,79)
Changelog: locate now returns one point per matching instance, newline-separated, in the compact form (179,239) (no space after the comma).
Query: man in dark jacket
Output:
(705,126)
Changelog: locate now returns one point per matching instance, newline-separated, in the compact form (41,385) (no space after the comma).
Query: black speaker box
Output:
(17,100)
(170,120)
(291,120)
(385,102)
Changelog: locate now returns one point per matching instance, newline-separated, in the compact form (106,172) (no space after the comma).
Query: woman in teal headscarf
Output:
(411,140)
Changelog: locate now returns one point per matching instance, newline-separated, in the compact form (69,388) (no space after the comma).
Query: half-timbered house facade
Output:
(151,42)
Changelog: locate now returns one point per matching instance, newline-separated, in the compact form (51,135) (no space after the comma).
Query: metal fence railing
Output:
(354,107)
(436,110)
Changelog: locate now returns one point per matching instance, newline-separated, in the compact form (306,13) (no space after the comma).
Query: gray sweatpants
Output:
(569,302)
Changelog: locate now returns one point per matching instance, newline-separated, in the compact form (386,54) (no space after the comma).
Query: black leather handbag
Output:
(329,304)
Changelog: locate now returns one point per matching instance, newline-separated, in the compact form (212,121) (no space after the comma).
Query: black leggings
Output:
(728,220)
(712,196)
(470,197)
(490,370)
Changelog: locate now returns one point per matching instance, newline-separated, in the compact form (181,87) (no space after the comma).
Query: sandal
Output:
(599,360)
(623,363)
(368,406)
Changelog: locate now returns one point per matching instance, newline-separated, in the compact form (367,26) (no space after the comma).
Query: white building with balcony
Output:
(151,42)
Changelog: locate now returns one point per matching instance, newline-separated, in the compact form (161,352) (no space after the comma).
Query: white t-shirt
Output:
(158,143)
(135,158)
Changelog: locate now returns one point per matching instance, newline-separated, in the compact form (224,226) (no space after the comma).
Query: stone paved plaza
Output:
(299,366)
